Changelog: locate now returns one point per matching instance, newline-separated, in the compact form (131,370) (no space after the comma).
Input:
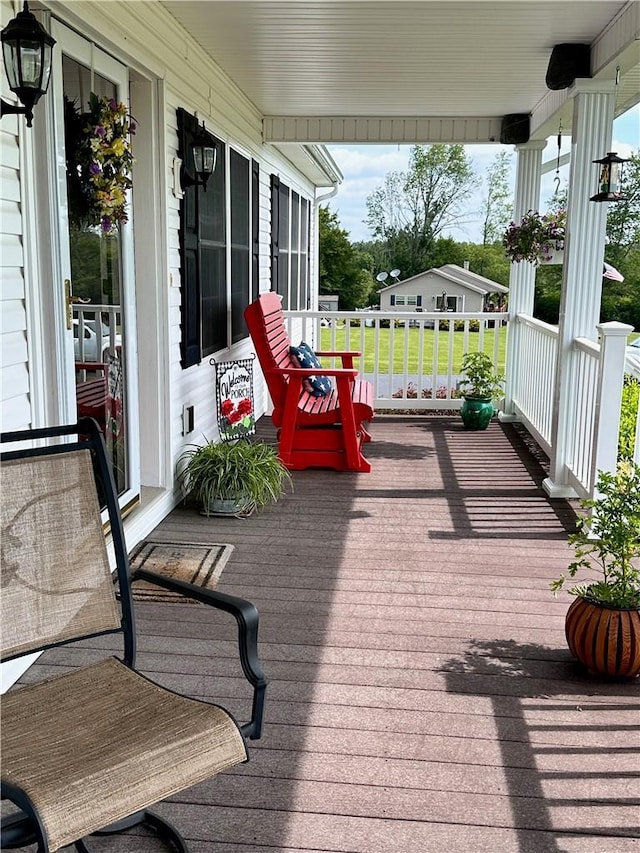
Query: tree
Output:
(497,206)
(342,268)
(412,208)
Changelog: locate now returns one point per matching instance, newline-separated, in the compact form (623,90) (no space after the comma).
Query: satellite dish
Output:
(382,276)
(394,273)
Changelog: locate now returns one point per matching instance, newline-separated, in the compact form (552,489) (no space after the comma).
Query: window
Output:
(218,232)
(290,234)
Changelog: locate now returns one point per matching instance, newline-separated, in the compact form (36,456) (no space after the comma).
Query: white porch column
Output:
(593,108)
(522,276)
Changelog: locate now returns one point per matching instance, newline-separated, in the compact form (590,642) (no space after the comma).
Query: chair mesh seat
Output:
(117,743)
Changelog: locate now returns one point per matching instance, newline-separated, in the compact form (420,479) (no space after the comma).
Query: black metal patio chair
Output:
(90,750)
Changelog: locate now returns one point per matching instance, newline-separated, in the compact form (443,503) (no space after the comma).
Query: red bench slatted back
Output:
(265,321)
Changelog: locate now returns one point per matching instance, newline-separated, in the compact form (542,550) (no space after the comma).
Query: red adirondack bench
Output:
(313,432)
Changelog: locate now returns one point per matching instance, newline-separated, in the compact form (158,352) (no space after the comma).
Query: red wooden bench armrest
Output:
(314,371)
(339,353)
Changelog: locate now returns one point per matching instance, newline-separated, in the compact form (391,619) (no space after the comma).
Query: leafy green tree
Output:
(497,206)
(342,268)
(412,208)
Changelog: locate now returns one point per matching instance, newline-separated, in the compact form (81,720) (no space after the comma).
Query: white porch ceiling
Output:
(307,60)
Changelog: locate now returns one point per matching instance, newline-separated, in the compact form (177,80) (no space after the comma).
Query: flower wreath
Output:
(99,162)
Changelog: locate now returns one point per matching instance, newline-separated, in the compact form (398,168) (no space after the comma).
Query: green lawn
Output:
(413,335)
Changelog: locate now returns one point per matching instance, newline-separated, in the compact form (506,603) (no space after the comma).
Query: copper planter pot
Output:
(605,639)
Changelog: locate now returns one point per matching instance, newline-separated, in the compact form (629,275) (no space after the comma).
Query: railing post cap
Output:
(614,329)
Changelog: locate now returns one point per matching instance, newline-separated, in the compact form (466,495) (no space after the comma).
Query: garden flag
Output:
(234,398)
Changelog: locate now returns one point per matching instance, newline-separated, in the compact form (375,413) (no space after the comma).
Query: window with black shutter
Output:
(290,235)
(240,242)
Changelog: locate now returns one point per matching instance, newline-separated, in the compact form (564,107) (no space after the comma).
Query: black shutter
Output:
(275,219)
(393,299)
(190,345)
(419,302)
(255,229)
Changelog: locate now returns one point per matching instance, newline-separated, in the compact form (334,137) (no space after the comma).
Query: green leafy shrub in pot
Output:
(608,541)
(480,380)
(248,475)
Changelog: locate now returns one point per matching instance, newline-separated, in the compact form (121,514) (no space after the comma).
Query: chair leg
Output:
(163,828)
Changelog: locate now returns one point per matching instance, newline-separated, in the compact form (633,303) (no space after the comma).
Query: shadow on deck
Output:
(421,695)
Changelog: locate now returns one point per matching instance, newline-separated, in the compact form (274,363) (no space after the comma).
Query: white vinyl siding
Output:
(14,376)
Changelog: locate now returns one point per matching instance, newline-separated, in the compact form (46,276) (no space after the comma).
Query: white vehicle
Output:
(89,349)
(633,358)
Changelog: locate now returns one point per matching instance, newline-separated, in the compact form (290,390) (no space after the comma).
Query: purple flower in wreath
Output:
(95,168)
(113,104)
(106,224)
(100,131)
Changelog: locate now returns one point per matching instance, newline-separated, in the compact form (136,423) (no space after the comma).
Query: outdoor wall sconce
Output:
(610,178)
(204,154)
(27,51)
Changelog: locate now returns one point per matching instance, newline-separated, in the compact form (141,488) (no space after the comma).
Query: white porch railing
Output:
(97,331)
(535,377)
(592,434)
(413,360)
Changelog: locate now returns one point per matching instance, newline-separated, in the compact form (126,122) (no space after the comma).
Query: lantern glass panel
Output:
(209,160)
(11,64)
(197,158)
(31,61)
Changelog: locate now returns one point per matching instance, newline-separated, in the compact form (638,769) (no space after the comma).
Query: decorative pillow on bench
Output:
(304,356)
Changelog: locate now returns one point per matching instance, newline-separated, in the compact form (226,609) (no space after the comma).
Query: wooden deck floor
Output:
(421,696)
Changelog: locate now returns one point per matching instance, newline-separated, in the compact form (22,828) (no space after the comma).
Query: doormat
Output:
(201,565)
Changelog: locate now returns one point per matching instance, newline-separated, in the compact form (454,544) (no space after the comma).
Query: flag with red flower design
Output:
(234,396)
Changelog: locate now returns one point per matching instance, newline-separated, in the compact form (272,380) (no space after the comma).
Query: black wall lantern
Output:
(27,51)
(204,157)
(610,178)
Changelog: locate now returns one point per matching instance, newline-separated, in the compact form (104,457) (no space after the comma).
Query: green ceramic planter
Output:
(476,412)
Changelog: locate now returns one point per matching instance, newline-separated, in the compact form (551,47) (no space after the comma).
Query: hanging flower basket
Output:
(537,239)
(99,162)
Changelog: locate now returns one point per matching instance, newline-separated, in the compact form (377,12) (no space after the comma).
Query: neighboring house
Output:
(447,288)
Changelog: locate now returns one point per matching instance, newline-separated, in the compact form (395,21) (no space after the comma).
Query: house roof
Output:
(456,275)
(409,71)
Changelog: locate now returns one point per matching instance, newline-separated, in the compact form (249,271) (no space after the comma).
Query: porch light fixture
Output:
(204,157)
(27,51)
(610,178)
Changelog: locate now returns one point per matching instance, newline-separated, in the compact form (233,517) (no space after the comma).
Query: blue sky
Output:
(364,168)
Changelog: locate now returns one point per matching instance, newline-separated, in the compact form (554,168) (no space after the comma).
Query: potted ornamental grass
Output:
(480,385)
(232,478)
(536,238)
(603,623)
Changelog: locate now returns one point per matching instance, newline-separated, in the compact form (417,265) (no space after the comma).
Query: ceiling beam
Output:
(380,130)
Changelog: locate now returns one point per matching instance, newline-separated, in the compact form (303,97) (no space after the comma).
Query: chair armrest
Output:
(315,371)
(339,353)
(246,616)
(346,356)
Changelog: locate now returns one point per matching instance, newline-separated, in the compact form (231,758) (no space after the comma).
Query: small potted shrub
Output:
(603,623)
(536,238)
(480,386)
(232,478)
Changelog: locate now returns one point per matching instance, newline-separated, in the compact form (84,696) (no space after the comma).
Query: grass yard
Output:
(446,340)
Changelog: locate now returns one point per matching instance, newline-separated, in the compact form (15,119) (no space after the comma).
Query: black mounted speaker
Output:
(567,62)
(514,129)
